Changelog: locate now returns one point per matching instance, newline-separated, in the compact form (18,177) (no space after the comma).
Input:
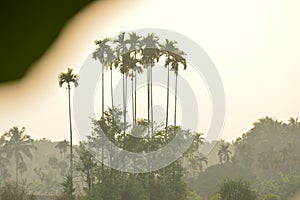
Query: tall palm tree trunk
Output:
(71,142)
(102,90)
(175,109)
(148,100)
(132,100)
(125,104)
(102,110)
(167,113)
(111,88)
(124,116)
(167,109)
(17,163)
(151,94)
(135,85)
(148,127)
(125,120)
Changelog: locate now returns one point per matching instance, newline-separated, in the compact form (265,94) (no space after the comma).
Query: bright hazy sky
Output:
(254,45)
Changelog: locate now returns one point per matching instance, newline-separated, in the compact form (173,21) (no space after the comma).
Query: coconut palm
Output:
(224,153)
(17,144)
(68,78)
(101,54)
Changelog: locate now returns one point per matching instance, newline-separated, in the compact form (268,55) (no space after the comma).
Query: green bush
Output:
(13,191)
(271,197)
(236,189)
(191,195)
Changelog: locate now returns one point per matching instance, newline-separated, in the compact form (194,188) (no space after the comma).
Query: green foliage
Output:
(271,197)
(270,147)
(224,153)
(217,196)
(13,191)
(236,189)
(17,144)
(284,186)
(266,155)
(106,191)
(68,188)
(206,183)
(134,190)
(68,78)
(192,195)
(110,184)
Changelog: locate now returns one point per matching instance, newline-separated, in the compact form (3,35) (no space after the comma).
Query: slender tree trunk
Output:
(132,101)
(102,90)
(135,85)
(125,174)
(151,94)
(124,105)
(71,142)
(124,116)
(17,163)
(91,179)
(112,105)
(175,109)
(167,112)
(152,119)
(89,182)
(148,126)
(111,88)
(148,101)
(167,109)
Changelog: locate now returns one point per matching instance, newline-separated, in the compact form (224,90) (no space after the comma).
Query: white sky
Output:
(254,45)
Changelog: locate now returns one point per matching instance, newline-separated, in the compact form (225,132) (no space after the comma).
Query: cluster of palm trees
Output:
(15,144)
(132,55)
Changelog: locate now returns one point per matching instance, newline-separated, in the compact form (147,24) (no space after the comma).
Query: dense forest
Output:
(264,161)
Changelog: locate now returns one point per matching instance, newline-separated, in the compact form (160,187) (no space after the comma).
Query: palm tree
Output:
(101,54)
(123,56)
(4,161)
(202,159)
(62,146)
(123,60)
(176,60)
(17,144)
(134,42)
(132,67)
(167,49)
(68,78)
(22,168)
(150,55)
(224,153)
(110,62)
